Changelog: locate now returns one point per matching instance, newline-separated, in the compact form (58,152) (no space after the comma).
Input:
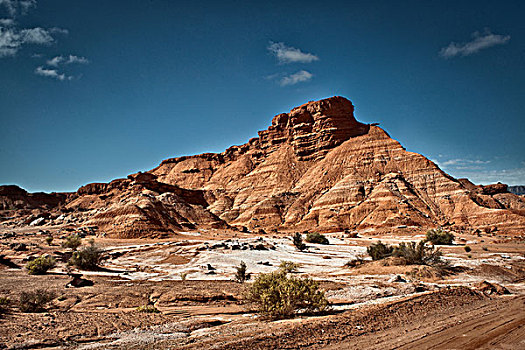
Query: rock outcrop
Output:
(315,168)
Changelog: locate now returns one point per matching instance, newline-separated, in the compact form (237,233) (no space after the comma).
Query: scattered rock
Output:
(78,282)
(491,288)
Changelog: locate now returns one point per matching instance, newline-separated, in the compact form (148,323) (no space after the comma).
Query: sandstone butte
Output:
(315,168)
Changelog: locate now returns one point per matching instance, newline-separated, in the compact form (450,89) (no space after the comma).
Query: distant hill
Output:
(315,168)
(519,190)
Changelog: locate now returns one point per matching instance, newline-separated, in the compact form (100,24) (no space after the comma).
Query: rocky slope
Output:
(315,168)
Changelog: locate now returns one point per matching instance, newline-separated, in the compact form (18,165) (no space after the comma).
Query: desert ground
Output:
(189,278)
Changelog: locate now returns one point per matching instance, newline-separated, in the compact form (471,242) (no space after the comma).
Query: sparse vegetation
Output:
(298,241)
(35,301)
(278,295)
(40,265)
(467,249)
(183,276)
(439,237)
(379,251)
(72,241)
(485,249)
(241,276)
(411,253)
(87,258)
(288,266)
(49,240)
(150,309)
(315,237)
(418,254)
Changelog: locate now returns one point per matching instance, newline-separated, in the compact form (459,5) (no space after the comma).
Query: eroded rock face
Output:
(315,168)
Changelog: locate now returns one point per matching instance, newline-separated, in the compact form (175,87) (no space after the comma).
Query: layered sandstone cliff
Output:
(315,168)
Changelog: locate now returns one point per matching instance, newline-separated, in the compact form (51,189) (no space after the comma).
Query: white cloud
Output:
(7,22)
(36,35)
(299,77)
(464,162)
(479,42)
(17,7)
(58,60)
(56,30)
(12,39)
(9,42)
(52,73)
(288,54)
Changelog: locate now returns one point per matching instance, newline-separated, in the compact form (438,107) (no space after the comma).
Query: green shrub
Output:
(412,253)
(314,237)
(467,249)
(87,258)
(35,301)
(418,254)
(72,241)
(241,276)
(278,296)
(4,305)
(49,240)
(298,241)
(288,266)
(183,276)
(439,237)
(150,309)
(379,251)
(40,265)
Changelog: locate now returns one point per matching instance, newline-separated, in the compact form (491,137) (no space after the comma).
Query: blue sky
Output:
(94,90)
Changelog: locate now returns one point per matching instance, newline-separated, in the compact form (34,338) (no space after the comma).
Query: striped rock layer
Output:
(316,168)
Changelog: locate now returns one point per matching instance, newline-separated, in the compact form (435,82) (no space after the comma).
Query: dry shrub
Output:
(35,301)
(278,295)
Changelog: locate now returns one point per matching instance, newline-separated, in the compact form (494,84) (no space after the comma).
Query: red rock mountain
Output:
(315,168)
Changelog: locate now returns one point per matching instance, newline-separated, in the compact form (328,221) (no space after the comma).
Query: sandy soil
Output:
(370,308)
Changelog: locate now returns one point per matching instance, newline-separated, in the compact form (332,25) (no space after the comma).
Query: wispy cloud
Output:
(483,171)
(299,77)
(71,59)
(12,39)
(479,42)
(288,54)
(7,22)
(52,73)
(464,162)
(17,7)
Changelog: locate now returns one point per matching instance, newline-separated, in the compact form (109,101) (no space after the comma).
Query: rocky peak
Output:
(314,128)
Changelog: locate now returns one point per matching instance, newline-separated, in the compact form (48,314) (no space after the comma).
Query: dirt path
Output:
(494,325)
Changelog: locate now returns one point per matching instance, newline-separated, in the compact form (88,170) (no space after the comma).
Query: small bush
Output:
(467,249)
(40,265)
(485,249)
(439,237)
(279,296)
(72,241)
(379,251)
(87,258)
(288,266)
(49,240)
(318,238)
(35,301)
(150,309)
(298,241)
(241,276)
(183,276)
(4,305)
(418,254)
